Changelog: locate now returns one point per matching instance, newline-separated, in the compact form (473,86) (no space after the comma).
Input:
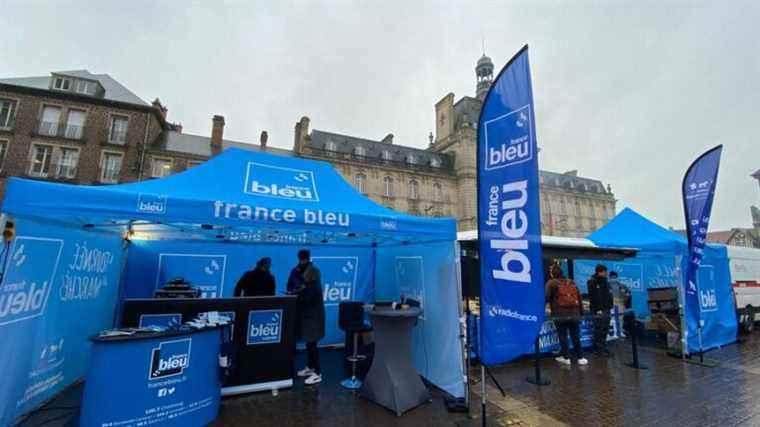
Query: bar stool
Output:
(351,320)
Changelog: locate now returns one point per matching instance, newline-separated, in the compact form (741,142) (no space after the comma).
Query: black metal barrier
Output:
(629,318)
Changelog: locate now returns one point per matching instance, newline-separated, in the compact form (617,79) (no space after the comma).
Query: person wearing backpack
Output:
(566,308)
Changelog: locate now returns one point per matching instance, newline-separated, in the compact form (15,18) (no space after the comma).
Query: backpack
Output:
(567,294)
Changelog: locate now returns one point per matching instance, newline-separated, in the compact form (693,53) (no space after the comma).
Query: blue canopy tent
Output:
(661,251)
(92,246)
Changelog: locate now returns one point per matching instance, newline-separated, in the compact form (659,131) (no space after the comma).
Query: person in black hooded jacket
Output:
(601,302)
(258,282)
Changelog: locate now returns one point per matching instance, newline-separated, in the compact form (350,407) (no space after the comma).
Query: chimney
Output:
(301,134)
(217,133)
(263,139)
(161,109)
(388,139)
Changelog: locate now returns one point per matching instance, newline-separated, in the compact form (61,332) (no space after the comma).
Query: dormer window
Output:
(330,146)
(387,155)
(62,83)
(411,159)
(83,86)
(360,151)
(435,162)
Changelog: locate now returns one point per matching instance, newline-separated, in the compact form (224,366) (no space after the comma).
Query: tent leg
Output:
(483,393)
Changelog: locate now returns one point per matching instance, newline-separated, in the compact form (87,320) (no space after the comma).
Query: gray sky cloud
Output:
(628,93)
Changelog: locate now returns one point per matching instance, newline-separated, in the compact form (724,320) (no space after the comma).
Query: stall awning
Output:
(237,195)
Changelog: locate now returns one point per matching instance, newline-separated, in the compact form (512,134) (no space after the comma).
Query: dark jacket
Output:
(255,283)
(551,298)
(310,303)
(599,294)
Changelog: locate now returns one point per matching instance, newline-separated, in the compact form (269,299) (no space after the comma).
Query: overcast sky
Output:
(626,92)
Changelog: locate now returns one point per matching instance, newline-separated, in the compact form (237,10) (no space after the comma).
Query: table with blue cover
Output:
(392,381)
(164,378)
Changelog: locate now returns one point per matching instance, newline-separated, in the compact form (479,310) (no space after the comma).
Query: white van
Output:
(745,274)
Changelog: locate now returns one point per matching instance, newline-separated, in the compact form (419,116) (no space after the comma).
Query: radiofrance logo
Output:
(280,182)
(264,327)
(170,358)
(514,144)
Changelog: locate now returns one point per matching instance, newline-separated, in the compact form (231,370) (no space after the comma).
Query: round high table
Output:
(392,381)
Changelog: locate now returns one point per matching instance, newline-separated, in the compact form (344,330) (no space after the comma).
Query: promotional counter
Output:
(171,379)
(263,334)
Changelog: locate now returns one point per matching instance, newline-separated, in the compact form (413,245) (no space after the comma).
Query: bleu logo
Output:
(388,224)
(28,278)
(514,143)
(280,182)
(264,327)
(150,203)
(339,278)
(170,358)
(708,299)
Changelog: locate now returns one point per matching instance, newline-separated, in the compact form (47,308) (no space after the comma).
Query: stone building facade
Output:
(441,180)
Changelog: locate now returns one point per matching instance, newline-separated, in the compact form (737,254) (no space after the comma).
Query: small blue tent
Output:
(79,250)
(630,229)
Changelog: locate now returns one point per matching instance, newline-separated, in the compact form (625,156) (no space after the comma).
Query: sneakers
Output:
(305,372)
(563,360)
(582,361)
(314,378)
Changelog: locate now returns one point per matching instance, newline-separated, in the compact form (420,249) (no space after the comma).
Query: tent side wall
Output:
(60,285)
(428,273)
(215,267)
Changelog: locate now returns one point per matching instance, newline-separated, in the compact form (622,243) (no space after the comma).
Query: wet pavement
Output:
(604,393)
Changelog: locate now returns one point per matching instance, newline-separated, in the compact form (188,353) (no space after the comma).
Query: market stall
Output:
(79,251)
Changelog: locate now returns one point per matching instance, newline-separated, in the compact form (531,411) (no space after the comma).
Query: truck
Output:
(744,264)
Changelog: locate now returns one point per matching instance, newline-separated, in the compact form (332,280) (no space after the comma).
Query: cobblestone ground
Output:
(604,393)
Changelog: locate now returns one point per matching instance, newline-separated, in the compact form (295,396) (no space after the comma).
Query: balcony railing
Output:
(59,171)
(60,130)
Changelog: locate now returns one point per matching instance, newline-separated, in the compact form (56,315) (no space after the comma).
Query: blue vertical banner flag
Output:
(698,189)
(509,227)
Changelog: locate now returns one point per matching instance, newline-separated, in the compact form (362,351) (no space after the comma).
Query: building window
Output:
(437,192)
(51,116)
(387,155)
(360,151)
(75,124)
(3,152)
(414,190)
(435,162)
(117,132)
(7,111)
(40,164)
(54,162)
(411,159)
(577,208)
(361,180)
(161,167)
(388,184)
(110,167)
(62,83)
(83,86)
(562,207)
(330,146)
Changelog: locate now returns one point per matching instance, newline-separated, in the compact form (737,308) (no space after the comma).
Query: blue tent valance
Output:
(235,195)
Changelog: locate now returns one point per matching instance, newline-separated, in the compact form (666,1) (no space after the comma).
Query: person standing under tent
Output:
(306,283)
(258,282)
(566,308)
(601,302)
